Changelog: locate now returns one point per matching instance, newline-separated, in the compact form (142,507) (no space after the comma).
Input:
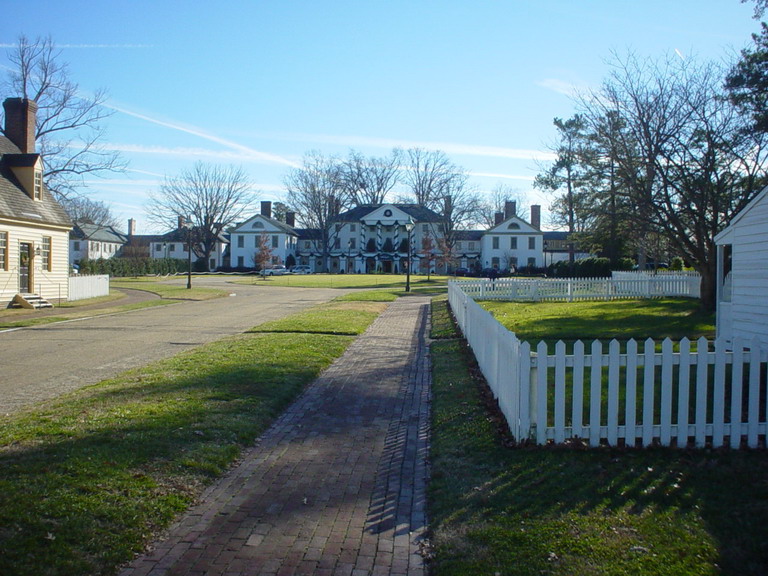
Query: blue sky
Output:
(257,84)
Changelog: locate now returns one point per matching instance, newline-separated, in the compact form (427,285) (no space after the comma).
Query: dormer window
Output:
(38,186)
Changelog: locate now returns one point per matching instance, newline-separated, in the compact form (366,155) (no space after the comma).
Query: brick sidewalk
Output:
(337,485)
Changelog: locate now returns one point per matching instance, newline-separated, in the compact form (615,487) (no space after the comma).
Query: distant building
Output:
(245,239)
(91,242)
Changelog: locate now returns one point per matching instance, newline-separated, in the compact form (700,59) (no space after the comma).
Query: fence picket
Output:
(560,392)
(595,387)
(649,384)
(614,350)
(754,393)
(683,393)
(631,400)
(526,373)
(718,398)
(737,387)
(667,361)
(702,367)
(541,389)
(578,389)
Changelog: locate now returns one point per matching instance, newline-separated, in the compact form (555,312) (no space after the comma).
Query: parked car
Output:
(301,270)
(461,272)
(275,271)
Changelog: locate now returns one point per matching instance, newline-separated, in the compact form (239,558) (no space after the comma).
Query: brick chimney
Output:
(266,208)
(20,116)
(131,227)
(180,222)
(536,216)
(510,209)
(290,219)
(498,218)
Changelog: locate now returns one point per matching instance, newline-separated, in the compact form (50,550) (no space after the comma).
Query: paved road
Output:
(40,363)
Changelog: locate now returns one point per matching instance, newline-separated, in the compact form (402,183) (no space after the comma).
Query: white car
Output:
(275,271)
(301,270)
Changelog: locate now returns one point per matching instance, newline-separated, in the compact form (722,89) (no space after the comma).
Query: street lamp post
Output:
(188,226)
(408,228)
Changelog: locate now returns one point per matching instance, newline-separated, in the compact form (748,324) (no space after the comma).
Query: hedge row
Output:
(122,267)
(588,268)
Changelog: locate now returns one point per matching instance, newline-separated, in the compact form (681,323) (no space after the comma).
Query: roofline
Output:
(727,230)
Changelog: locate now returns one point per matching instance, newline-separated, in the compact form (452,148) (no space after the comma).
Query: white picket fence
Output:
(627,393)
(618,287)
(82,287)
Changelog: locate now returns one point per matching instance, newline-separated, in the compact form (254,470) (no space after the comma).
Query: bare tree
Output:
(315,190)
(435,182)
(262,258)
(688,163)
(70,126)
(81,209)
(497,200)
(430,176)
(428,253)
(210,198)
(369,180)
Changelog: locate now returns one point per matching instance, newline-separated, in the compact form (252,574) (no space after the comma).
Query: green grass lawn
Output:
(499,509)
(395,282)
(166,290)
(622,319)
(89,479)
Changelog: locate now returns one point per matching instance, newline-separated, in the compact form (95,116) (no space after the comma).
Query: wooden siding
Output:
(51,285)
(749,307)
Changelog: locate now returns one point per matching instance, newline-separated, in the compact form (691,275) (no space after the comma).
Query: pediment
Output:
(256,225)
(514,225)
(387,214)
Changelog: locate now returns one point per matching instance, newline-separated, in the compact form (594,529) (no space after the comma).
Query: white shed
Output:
(742,273)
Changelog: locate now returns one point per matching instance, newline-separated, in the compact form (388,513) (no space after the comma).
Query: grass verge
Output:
(495,509)
(88,479)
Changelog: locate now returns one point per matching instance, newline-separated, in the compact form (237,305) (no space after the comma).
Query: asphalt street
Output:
(40,363)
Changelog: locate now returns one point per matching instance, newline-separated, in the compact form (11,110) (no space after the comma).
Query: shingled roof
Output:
(15,203)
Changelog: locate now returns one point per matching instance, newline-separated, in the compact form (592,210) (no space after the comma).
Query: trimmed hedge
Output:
(123,267)
(588,268)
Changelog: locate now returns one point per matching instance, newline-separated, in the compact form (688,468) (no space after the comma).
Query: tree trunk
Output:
(708,286)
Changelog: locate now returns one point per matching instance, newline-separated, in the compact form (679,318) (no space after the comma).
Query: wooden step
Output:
(30,301)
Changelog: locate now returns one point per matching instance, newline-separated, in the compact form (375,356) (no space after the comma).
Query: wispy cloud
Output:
(502,176)
(245,152)
(447,147)
(119,46)
(228,155)
(560,86)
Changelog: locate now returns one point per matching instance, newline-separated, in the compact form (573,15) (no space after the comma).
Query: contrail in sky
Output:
(256,154)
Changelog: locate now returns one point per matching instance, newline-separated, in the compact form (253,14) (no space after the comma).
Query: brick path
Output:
(337,485)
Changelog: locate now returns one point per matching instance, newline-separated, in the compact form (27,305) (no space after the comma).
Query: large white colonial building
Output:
(378,238)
